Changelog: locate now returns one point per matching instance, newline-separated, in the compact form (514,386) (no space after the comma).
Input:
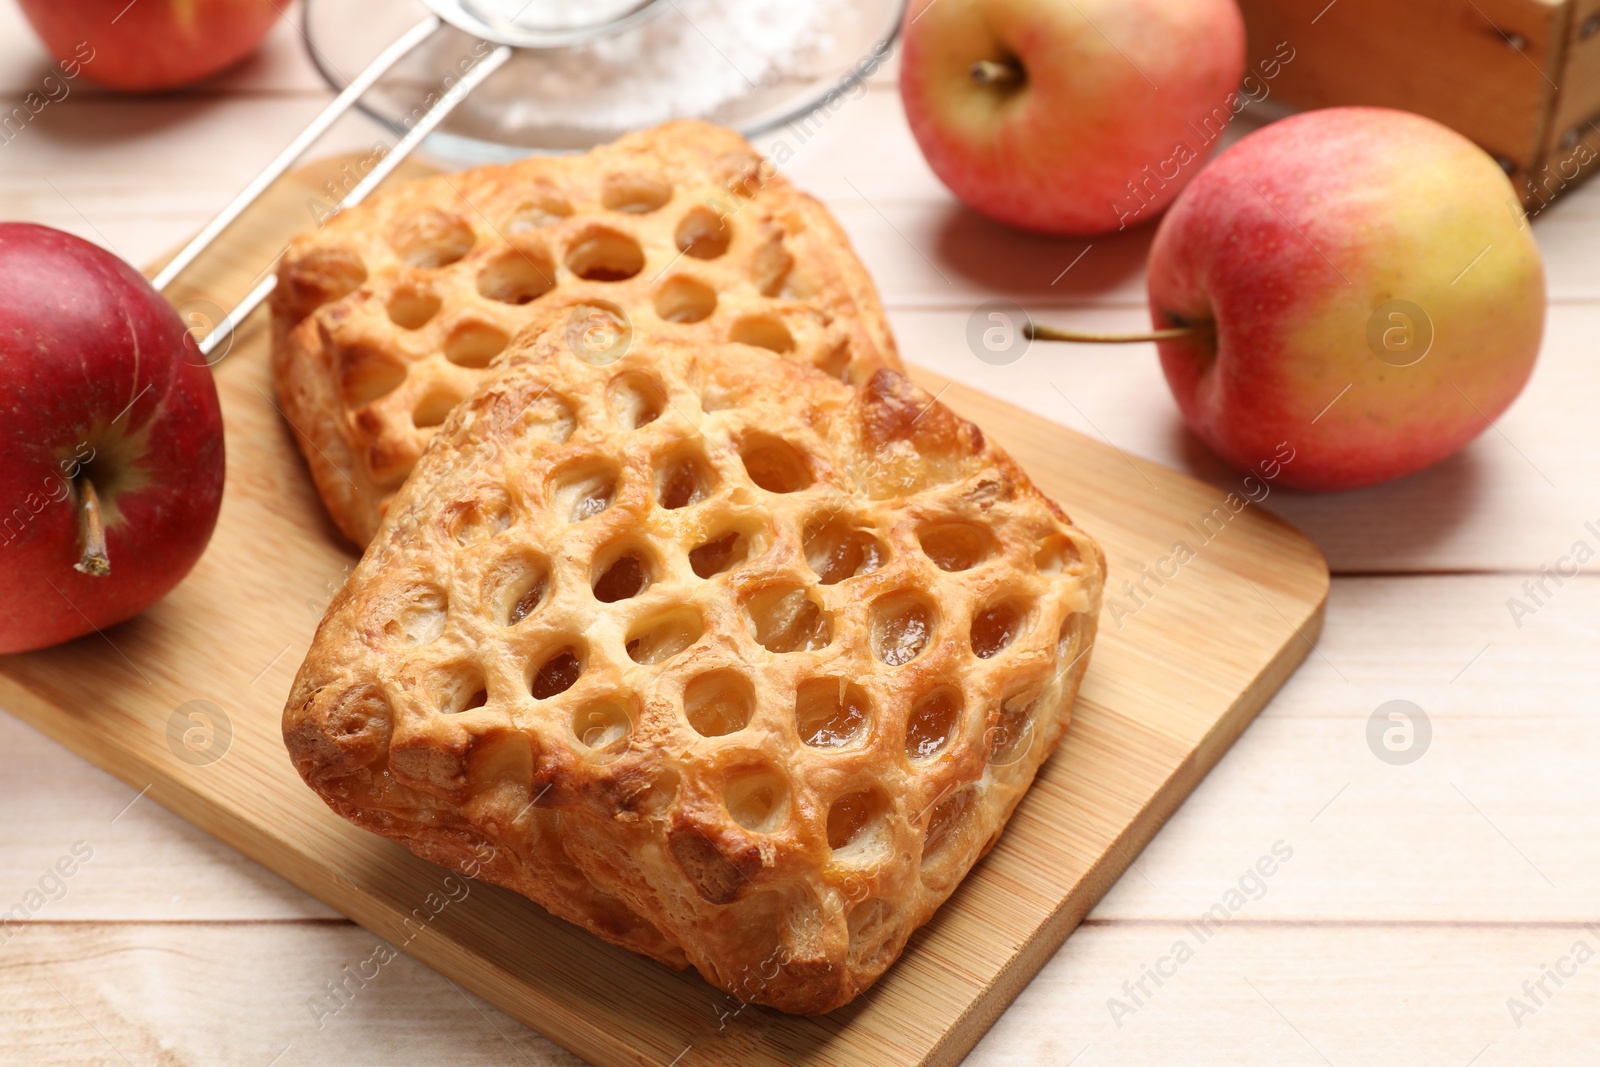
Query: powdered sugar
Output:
(694,58)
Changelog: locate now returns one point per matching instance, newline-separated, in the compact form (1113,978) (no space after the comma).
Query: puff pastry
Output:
(385,318)
(730,662)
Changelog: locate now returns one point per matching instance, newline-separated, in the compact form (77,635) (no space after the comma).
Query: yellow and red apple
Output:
(1364,288)
(1076,117)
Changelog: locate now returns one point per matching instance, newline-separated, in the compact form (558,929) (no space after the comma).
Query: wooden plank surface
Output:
(1269,993)
(1399,893)
(1399,930)
(1170,687)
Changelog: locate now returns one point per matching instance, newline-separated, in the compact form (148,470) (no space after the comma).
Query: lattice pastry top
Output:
(385,318)
(727,661)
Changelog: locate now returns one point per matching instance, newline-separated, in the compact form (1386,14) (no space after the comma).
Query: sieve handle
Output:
(296,148)
(385,166)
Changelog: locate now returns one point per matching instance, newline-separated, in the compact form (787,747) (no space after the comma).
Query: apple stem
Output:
(1050,333)
(94,561)
(997,72)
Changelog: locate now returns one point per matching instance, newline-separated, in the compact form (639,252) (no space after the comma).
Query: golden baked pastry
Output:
(384,319)
(731,663)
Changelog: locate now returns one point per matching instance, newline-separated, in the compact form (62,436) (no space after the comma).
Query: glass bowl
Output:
(603,67)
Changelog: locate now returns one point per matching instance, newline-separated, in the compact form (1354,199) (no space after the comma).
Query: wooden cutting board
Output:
(185,702)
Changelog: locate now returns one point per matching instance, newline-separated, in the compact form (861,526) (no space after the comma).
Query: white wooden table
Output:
(1418,898)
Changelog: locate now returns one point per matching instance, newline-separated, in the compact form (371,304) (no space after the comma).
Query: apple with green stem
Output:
(1071,118)
(1358,283)
(111,447)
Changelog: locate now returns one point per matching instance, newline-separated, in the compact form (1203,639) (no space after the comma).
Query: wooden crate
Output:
(1519,77)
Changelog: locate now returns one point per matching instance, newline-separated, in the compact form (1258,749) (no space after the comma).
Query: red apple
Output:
(111,457)
(150,44)
(1072,118)
(1367,292)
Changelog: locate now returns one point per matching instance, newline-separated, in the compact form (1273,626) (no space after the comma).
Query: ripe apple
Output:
(1364,287)
(1070,118)
(111,455)
(150,44)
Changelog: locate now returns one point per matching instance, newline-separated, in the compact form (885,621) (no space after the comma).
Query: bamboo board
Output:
(1171,684)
